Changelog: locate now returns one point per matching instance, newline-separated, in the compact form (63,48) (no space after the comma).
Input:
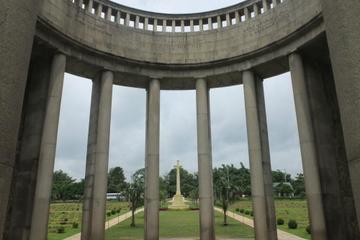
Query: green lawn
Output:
(178,224)
(285,209)
(174,224)
(65,214)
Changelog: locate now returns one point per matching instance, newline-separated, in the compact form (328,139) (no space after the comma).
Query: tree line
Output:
(228,178)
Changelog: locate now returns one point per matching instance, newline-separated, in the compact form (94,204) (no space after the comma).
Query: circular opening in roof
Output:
(178,6)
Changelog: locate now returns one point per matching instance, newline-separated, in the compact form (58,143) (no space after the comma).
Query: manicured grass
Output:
(178,224)
(65,214)
(286,209)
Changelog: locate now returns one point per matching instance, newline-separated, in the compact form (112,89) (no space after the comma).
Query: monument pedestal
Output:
(178,203)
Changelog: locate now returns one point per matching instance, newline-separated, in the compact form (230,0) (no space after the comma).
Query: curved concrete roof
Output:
(178,47)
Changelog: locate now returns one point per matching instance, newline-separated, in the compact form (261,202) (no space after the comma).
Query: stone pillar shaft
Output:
(255,156)
(266,161)
(152,201)
(18,20)
(97,158)
(342,27)
(308,148)
(178,191)
(24,181)
(89,6)
(42,197)
(206,197)
(266,5)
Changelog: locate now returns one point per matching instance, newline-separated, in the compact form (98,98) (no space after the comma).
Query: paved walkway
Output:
(282,235)
(109,223)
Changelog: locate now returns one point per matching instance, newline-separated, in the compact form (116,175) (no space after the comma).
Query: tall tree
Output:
(61,187)
(116,180)
(188,182)
(299,185)
(225,187)
(280,177)
(135,193)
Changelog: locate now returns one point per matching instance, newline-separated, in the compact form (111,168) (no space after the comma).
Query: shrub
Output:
(251,213)
(280,221)
(108,214)
(119,210)
(113,212)
(308,229)
(247,212)
(60,229)
(292,224)
(75,225)
(237,210)
(242,210)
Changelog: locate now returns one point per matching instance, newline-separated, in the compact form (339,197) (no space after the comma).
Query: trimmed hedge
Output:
(292,224)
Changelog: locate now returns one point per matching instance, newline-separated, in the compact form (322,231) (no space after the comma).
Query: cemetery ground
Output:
(286,209)
(67,216)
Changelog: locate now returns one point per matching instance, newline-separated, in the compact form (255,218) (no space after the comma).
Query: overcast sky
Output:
(178,118)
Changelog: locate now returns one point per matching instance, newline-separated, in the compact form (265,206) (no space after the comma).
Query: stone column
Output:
(117,17)
(308,148)
(247,14)
(108,14)
(17,29)
(24,179)
(164,25)
(342,26)
(93,218)
(255,156)
(89,6)
(201,25)
(146,23)
(137,21)
(178,191)
(152,201)
(219,22)
(47,151)
(210,26)
(266,161)
(155,25)
(206,196)
(266,5)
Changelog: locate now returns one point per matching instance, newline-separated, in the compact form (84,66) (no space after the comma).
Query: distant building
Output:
(114,196)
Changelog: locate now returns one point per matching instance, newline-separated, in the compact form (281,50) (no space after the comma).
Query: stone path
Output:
(109,223)
(282,235)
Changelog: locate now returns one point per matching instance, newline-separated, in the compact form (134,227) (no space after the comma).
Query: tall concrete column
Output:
(206,195)
(25,171)
(93,218)
(308,148)
(152,201)
(40,215)
(256,156)
(266,161)
(342,27)
(17,29)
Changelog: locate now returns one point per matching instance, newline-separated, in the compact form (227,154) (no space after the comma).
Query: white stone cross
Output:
(178,191)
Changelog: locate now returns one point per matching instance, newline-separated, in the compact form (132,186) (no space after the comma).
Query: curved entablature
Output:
(93,40)
(176,23)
